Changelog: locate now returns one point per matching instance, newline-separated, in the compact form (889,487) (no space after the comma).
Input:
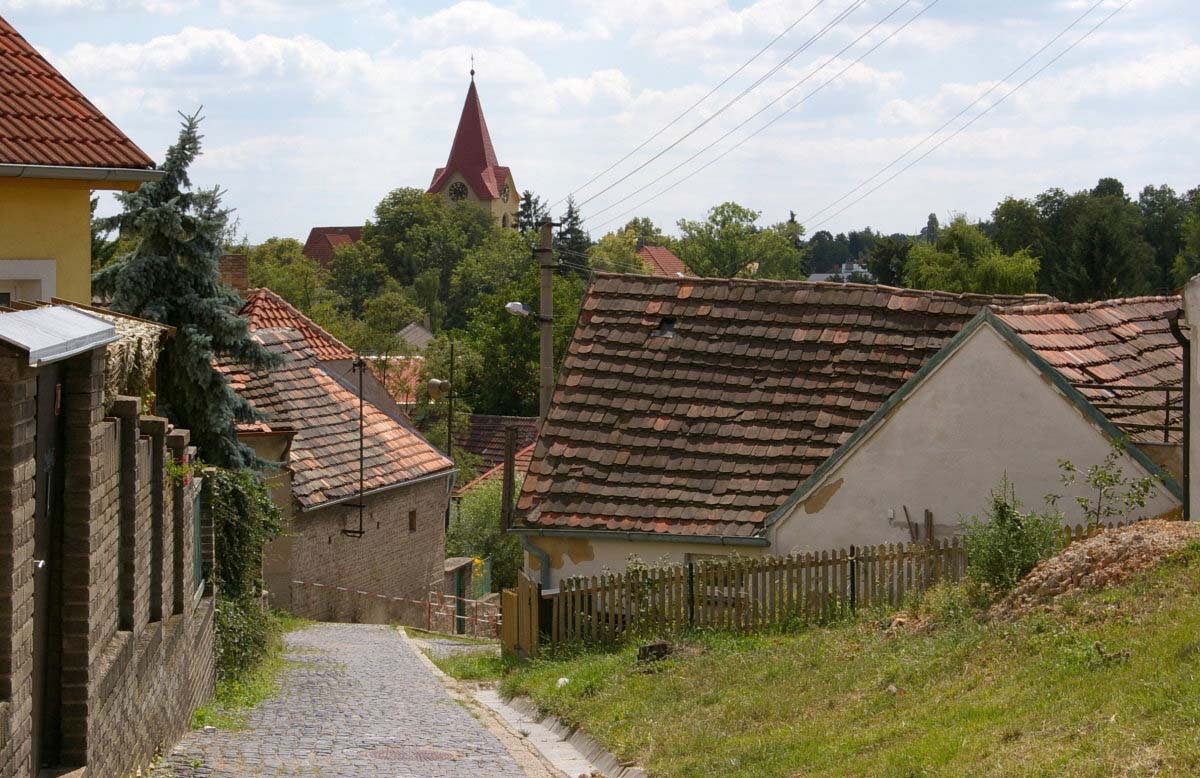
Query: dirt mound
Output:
(1101,560)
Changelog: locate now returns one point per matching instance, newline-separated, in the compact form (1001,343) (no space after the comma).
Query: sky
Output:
(314,109)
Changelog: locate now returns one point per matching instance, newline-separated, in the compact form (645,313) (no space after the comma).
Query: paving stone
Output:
(357,702)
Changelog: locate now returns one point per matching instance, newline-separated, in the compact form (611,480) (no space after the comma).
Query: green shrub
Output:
(1002,549)
(475,532)
(244,520)
(947,603)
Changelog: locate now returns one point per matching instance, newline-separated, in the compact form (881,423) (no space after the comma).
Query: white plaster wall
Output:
(612,556)
(984,412)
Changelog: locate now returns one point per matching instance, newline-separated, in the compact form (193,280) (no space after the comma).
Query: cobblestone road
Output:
(358,702)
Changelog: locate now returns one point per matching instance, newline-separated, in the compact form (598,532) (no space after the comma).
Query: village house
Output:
(264,310)
(324,241)
(485,436)
(660,260)
(364,496)
(701,417)
(56,148)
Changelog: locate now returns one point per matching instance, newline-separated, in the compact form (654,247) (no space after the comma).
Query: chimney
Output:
(232,268)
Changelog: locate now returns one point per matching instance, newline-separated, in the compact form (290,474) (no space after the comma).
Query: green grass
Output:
(473,666)
(235,696)
(1108,686)
(420,634)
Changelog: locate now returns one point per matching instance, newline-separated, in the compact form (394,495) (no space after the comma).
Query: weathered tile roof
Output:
(697,406)
(44,120)
(485,438)
(662,261)
(416,335)
(521,461)
(1117,343)
(267,311)
(325,449)
(323,240)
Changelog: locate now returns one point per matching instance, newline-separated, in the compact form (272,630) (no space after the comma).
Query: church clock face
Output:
(504,193)
(458,191)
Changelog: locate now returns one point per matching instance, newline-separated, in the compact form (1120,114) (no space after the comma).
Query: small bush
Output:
(947,603)
(1003,549)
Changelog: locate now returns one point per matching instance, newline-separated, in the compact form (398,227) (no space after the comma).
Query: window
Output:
(412,521)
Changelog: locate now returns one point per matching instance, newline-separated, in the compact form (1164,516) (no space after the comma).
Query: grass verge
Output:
(236,695)
(473,666)
(1109,685)
(467,640)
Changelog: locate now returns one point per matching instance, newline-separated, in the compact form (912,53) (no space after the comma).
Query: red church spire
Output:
(472,155)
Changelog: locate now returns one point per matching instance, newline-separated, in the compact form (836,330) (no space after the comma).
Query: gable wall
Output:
(984,412)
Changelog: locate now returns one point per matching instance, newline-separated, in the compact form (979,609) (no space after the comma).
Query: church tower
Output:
(472,173)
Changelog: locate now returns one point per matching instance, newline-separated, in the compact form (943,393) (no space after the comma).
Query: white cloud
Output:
(58,6)
(481,20)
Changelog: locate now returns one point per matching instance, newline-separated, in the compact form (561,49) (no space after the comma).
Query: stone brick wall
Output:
(132,669)
(389,560)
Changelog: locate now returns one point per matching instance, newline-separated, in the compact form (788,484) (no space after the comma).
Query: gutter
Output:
(603,534)
(73,173)
(439,474)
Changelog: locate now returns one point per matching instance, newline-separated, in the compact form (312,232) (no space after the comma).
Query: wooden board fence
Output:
(738,594)
(745,594)
(519,623)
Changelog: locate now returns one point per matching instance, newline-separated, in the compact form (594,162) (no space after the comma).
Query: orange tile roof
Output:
(696,406)
(325,449)
(520,466)
(662,261)
(44,120)
(322,241)
(1122,343)
(267,310)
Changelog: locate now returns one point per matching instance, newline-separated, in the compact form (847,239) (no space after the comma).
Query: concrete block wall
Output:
(132,669)
(389,560)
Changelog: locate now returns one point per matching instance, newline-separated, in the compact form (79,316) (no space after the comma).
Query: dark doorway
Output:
(47,575)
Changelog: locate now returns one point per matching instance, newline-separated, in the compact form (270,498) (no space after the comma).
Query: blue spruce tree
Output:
(171,276)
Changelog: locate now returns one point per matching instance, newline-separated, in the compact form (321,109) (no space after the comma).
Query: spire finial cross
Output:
(472,66)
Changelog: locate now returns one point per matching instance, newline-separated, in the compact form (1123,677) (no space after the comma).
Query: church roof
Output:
(472,155)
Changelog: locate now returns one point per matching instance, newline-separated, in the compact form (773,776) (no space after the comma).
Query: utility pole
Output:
(545,257)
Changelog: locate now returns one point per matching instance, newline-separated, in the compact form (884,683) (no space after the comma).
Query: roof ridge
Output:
(793,283)
(1059,306)
(260,292)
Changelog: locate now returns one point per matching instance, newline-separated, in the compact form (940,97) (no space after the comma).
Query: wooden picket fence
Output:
(740,594)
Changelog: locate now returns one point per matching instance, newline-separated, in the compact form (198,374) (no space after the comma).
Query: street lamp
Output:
(518,309)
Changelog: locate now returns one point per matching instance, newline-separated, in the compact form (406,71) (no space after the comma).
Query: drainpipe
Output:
(542,557)
(1186,344)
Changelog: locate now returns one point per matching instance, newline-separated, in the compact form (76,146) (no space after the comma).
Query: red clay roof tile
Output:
(1125,343)
(662,261)
(44,120)
(323,240)
(325,450)
(708,429)
(267,310)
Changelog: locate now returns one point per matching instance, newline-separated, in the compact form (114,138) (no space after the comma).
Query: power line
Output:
(692,107)
(978,116)
(795,53)
(786,111)
(960,114)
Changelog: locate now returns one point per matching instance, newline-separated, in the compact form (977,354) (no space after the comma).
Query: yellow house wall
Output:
(49,220)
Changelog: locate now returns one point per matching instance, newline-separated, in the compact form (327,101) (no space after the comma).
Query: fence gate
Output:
(519,617)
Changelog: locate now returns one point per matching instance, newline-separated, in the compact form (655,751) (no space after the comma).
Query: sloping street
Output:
(357,702)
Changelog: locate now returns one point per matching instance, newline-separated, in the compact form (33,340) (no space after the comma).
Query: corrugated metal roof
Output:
(54,332)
